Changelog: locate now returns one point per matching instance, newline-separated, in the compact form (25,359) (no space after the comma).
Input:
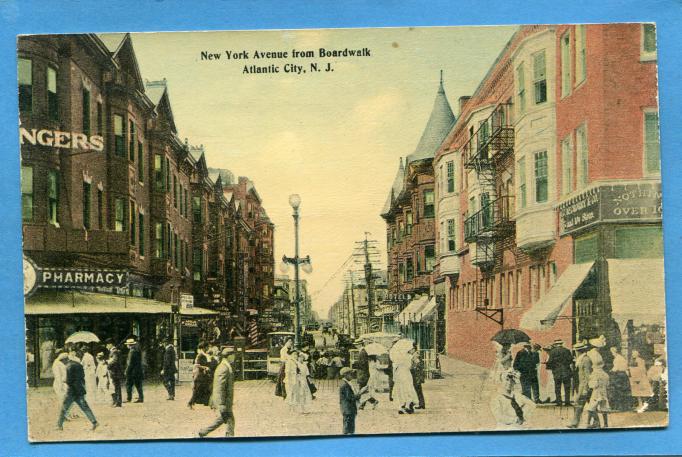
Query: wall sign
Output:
(639,202)
(59,139)
(70,278)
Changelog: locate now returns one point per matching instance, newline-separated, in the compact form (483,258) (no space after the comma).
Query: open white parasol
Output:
(82,337)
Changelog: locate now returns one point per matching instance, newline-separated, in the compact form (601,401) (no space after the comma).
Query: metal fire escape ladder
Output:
(490,152)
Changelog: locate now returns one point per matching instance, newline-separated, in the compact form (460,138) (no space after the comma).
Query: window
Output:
(566,64)
(430,257)
(25,74)
(401,229)
(140,162)
(539,77)
(196,209)
(451,176)
(410,270)
(52,100)
(648,41)
(451,235)
(26,193)
(52,196)
(119,208)
(131,140)
(100,120)
(140,227)
(652,148)
(408,222)
(158,240)
(483,135)
(428,203)
(566,166)
(168,179)
(86,111)
(522,181)
(196,263)
(541,177)
(521,89)
(176,250)
(401,272)
(100,209)
(133,222)
(86,205)
(158,172)
(583,156)
(119,144)
(580,54)
(175,191)
(168,239)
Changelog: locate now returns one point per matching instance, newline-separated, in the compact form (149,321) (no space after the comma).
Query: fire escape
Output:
(490,230)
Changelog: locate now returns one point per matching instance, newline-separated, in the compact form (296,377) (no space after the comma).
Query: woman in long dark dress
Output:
(201,377)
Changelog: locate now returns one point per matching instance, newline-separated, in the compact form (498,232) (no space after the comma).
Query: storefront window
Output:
(585,248)
(639,242)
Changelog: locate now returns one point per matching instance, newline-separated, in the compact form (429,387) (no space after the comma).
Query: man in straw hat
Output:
(134,371)
(560,361)
(348,398)
(223,395)
(584,367)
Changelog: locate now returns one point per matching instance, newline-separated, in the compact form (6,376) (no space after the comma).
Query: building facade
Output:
(548,189)
(121,220)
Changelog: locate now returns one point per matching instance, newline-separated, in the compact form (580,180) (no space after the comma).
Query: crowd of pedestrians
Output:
(593,378)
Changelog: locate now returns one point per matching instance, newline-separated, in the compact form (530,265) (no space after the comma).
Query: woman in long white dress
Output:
(373,384)
(290,375)
(104,387)
(302,394)
(90,369)
(59,375)
(403,386)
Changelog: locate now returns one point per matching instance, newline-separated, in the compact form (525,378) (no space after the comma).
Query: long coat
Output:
(526,363)
(134,365)
(560,360)
(115,364)
(223,387)
(348,399)
(168,365)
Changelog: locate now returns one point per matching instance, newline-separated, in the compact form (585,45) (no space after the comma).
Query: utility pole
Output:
(352,297)
(369,280)
(367,254)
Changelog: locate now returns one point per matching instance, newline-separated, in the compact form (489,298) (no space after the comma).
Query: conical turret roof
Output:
(439,125)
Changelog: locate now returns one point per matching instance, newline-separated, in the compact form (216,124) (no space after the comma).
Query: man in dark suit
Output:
(168,369)
(134,371)
(526,363)
(75,390)
(223,395)
(348,398)
(560,362)
(115,368)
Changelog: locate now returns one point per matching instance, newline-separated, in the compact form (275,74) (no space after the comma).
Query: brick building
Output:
(410,212)
(548,192)
(115,202)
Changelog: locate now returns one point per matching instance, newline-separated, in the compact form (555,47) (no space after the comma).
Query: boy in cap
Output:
(348,398)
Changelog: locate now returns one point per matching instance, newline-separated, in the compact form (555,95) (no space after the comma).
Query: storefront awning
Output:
(543,314)
(412,310)
(637,291)
(50,302)
(429,311)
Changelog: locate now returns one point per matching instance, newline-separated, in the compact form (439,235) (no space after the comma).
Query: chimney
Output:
(463,101)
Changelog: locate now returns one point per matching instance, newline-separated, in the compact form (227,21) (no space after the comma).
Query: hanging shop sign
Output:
(62,140)
(70,278)
(637,202)
(186,301)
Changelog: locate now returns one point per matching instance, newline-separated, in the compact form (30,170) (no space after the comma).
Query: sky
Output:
(334,138)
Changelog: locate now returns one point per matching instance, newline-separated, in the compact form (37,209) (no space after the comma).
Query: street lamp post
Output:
(297,261)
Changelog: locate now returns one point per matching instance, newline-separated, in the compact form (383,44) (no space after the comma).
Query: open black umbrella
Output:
(510,336)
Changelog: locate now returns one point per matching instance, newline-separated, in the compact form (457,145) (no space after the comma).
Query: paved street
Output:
(458,402)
